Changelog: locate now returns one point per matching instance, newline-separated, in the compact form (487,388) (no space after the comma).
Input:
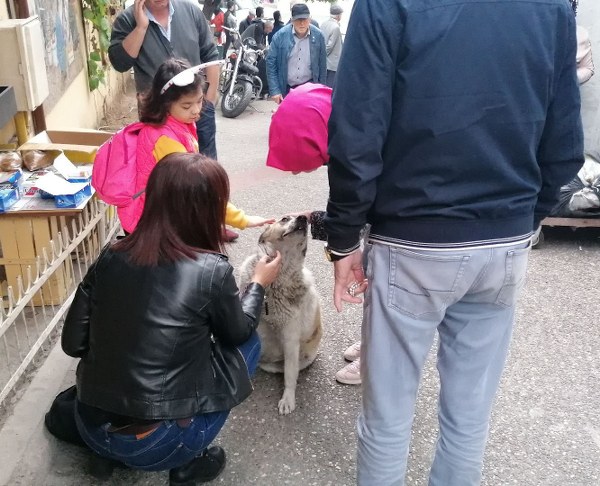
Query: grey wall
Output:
(588,16)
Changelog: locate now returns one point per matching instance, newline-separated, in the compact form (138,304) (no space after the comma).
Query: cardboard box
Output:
(14,179)
(8,196)
(11,177)
(71,200)
(78,145)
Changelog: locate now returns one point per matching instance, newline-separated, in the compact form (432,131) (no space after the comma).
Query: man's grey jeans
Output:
(469,297)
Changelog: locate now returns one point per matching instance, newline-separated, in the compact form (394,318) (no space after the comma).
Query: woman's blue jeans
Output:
(170,445)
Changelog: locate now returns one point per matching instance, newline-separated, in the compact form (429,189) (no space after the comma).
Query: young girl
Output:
(170,111)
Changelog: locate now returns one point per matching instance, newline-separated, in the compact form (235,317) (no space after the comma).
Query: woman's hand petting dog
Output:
(267,269)
(254,221)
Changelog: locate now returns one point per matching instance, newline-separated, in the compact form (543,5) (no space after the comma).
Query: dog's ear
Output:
(264,236)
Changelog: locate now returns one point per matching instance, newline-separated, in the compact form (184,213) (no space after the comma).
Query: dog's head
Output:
(288,235)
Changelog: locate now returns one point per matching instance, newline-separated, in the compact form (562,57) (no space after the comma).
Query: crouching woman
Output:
(167,345)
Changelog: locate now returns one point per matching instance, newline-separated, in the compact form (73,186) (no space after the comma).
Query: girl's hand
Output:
(267,269)
(254,221)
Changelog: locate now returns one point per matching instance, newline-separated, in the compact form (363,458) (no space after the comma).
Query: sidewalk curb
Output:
(25,424)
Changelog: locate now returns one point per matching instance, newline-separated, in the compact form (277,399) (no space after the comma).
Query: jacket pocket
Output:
(421,283)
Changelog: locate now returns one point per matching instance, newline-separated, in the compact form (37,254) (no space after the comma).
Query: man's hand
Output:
(277,98)
(134,40)
(306,214)
(212,78)
(141,18)
(349,280)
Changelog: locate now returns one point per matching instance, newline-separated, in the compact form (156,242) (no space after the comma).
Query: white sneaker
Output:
(353,352)
(350,374)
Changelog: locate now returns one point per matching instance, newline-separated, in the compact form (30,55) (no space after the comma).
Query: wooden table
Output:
(573,222)
(24,234)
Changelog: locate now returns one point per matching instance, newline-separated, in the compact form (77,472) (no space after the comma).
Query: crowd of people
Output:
(440,173)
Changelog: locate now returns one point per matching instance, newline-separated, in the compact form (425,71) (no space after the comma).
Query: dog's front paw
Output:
(287,404)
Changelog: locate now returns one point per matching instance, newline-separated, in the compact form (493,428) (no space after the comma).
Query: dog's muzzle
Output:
(301,223)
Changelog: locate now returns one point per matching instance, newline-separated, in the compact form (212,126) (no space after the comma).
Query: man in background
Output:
(451,134)
(230,22)
(296,55)
(258,32)
(333,41)
(244,24)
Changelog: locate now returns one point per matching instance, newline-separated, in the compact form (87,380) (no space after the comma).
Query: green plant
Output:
(97,13)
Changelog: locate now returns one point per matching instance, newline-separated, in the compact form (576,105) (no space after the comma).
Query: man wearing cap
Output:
(296,56)
(333,41)
(149,32)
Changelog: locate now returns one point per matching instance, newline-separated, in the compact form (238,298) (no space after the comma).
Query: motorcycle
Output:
(240,82)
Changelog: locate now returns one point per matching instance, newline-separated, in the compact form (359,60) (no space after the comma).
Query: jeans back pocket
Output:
(421,282)
(515,269)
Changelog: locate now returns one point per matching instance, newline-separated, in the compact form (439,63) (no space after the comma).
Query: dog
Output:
(290,327)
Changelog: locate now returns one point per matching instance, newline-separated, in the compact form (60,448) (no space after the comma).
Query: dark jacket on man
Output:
(158,342)
(244,24)
(471,116)
(256,30)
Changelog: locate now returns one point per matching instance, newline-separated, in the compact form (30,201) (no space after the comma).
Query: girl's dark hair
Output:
(184,212)
(154,107)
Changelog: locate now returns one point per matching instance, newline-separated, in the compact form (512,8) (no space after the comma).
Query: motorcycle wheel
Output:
(234,105)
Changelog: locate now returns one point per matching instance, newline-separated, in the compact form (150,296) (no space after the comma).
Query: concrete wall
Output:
(77,107)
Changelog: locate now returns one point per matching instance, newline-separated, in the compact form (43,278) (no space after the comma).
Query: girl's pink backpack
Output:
(114,172)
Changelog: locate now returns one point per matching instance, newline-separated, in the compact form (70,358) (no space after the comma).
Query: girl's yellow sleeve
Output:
(235,217)
(165,146)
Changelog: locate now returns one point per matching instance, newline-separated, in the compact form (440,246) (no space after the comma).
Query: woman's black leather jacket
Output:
(160,342)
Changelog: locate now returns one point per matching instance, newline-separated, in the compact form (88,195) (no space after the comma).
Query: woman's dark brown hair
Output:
(154,107)
(184,212)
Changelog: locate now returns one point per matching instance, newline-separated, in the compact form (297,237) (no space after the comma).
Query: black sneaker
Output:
(202,469)
(100,467)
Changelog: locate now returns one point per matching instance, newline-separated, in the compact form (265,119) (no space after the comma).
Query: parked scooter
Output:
(240,82)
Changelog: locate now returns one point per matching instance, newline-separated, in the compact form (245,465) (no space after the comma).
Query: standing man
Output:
(151,31)
(230,23)
(259,32)
(296,55)
(333,41)
(451,134)
(258,29)
(244,24)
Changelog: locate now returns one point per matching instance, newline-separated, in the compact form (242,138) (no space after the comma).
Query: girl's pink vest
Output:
(184,133)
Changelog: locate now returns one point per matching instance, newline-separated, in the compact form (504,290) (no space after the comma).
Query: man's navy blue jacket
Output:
(453,120)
